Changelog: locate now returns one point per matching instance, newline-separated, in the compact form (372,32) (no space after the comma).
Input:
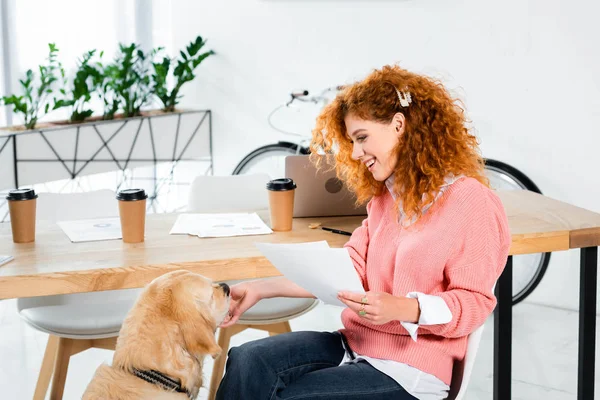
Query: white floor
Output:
(544,354)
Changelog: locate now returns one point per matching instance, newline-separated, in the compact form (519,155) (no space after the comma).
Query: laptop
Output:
(319,193)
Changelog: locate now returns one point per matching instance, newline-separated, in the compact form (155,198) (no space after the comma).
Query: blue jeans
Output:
(302,365)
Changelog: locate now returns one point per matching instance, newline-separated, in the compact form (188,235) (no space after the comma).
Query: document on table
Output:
(220,225)
(316,267)
(91,230)
(4,259)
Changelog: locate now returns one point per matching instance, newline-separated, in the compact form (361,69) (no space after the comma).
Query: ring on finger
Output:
(362,311)
(364,300)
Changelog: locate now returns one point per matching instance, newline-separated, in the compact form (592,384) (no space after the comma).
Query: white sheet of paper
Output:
(220,225)
(91,230)
(314,266)
(4,259)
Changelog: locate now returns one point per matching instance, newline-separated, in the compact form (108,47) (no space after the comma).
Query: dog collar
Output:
(162,380)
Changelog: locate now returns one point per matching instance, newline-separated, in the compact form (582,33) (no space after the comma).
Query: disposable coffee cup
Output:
(132,210)
(21,205)
(281,203)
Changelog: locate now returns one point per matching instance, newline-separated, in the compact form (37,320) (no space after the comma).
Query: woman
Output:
(429,253)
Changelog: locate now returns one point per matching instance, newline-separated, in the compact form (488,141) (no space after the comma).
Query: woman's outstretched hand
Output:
(380,308)
(242,297)
(246,294)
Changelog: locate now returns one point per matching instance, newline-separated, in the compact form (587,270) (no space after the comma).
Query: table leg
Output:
(587,323)
(503,334)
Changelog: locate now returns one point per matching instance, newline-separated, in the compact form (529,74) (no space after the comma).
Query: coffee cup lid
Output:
(132,195)
(281,184)
(21,194)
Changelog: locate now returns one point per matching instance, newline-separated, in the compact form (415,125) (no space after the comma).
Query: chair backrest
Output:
(74,206)
(461,372)
(232,193)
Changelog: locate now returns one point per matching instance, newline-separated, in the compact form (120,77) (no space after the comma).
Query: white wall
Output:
(527,70)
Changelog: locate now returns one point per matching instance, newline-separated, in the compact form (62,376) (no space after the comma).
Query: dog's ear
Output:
(199,337)
(196,324)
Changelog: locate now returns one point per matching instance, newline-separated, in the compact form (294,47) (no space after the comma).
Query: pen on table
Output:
(336,231)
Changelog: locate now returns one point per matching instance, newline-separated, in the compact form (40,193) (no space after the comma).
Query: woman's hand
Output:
(380,308)
(246,294)
(242,296)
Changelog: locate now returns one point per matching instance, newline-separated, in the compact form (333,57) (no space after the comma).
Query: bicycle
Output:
(528,270)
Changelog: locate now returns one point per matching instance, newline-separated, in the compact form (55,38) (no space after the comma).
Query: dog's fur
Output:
(170,329)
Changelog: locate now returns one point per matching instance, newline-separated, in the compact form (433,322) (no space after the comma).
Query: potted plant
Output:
(79,93)
(183,72)
(35,102)
(130,80)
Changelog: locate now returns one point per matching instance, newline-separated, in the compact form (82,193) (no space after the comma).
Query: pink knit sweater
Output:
(457,251)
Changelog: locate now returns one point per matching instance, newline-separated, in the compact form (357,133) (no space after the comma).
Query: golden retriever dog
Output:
(163,341)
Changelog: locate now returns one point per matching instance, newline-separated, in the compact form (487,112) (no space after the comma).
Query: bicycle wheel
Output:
(269,159)
(528,269)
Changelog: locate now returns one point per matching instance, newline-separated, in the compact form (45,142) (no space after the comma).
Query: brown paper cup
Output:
(133,220)
(281,205)
(22,220)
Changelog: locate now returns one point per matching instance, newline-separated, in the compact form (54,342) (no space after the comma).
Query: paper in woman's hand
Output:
(315,267)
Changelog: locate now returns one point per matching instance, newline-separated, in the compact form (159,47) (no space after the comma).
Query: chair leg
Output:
(47,368)
(274,329)
(106,344)
(225,335)
(282,327)
(65,349)
(56,359)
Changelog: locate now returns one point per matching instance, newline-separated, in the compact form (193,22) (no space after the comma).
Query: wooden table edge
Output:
(586,237)
(539,243)
(130,277)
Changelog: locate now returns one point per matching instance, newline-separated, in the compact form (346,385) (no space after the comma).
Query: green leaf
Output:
(87,113)
(62,103)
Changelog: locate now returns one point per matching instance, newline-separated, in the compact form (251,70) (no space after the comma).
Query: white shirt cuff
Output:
(434,311)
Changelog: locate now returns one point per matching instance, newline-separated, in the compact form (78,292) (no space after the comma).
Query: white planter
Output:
(69,151)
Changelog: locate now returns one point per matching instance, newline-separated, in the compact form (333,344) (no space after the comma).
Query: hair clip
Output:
(404,98)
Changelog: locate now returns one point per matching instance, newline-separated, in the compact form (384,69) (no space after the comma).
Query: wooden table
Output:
(54,265)
(540,224)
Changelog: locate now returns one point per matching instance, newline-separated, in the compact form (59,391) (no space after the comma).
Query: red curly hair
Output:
(436,142)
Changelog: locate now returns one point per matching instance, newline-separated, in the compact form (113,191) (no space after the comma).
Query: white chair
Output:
(75,322)
(243,193)
(461,372)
